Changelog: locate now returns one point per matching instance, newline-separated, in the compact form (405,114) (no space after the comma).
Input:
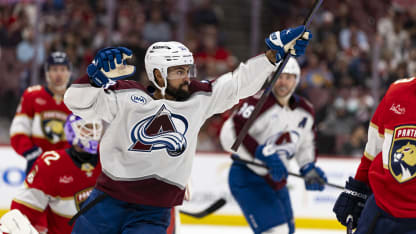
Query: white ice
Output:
(210,229)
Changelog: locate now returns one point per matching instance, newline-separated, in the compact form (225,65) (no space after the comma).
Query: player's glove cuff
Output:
(33,153)
(97,78)
(351,201)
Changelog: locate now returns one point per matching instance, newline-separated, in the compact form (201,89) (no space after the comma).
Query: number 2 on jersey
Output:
(50,156)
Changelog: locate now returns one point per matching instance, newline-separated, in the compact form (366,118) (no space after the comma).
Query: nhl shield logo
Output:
(402,157)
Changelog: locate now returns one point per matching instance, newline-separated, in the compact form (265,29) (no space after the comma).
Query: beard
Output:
(178,93)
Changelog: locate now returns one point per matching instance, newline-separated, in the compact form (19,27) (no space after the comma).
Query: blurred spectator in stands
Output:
(410,23)
(338,122)
(27,49)
(205,13)
(316,82)
(316,73)
(398,73)
(341,12)
(356,143)
(396,38)
(353,40)
(326,27)
(385,28)
(14,22)
(156,29)
(411,65)
(210,56)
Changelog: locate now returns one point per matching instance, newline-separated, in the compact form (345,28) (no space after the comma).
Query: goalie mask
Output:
(85,134)
(162,55)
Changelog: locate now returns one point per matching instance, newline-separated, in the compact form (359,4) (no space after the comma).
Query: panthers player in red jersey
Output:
(381,199)
(38,123)
(60,181)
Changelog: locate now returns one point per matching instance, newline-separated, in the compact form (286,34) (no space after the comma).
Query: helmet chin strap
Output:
(162,89)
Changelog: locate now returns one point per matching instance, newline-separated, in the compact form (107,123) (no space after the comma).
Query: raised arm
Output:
(90,96)
(250,76)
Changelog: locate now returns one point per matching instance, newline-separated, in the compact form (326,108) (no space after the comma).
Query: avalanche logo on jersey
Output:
(402,157)
(164,130)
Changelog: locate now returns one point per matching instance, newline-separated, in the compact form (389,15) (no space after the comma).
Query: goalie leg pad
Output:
(14,222)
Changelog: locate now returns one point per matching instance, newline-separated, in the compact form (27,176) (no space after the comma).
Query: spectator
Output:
(212,58)
(156,29)
(27,49)
(357,140)
(352,38)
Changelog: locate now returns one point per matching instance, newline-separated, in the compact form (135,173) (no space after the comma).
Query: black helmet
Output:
(57,58)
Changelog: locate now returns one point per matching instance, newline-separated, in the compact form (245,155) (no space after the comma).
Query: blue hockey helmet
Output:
(57,58)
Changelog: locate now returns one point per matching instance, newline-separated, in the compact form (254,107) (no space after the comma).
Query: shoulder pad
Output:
(34,88)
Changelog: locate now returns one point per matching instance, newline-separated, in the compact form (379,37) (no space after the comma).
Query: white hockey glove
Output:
(292,40)
(110,65)
(14,222)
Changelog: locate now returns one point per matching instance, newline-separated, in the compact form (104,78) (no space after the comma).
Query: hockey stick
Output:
(243,161)
(212,208)
(349,224)
(270,85)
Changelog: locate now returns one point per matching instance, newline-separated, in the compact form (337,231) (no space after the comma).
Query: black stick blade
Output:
(211,209)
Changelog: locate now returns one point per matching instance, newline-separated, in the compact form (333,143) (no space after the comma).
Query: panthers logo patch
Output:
(164,130)
(53,125)
(402,157)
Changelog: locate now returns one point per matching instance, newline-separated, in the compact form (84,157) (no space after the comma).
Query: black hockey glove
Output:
(351,201)
(31,155)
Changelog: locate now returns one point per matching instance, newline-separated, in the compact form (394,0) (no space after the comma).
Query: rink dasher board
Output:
(311,209)
(209,182)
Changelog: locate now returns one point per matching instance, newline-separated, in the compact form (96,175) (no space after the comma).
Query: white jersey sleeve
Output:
(91,102)
(244,81)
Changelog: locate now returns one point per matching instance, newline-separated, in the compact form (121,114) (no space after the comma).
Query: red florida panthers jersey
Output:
(39,121)
(56,187)
(389,161)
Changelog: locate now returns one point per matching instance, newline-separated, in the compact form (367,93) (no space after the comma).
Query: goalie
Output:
(59,182)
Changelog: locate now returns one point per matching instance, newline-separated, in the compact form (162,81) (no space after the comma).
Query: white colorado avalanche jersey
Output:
(273,118)
(148,147)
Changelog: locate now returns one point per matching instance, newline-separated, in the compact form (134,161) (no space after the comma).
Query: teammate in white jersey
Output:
(151,136)
(284,129)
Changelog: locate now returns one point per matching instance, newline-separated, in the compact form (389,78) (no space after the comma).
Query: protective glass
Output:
(179,73)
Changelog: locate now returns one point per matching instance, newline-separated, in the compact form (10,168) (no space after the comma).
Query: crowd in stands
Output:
(359,48)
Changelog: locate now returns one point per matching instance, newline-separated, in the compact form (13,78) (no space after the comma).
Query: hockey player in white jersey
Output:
(284,129)
(151,136)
